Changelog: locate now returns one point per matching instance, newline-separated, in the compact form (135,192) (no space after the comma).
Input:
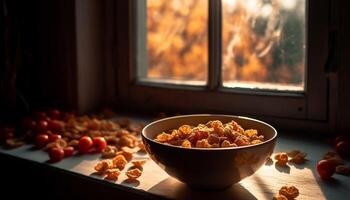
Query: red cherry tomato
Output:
(343,148)
(68,151)
(54,137)
(325,168)
(41,140)
(54,114)
(28,124)
(41,126)
(55,126)
(99,143)
(85,144)
(56,154)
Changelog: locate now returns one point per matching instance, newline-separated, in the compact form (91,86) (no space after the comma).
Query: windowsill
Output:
(154,182)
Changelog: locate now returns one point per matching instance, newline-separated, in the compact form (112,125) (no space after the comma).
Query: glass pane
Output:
(263,44)
(177,42)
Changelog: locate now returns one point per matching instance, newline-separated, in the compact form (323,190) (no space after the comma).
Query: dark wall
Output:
(39,54)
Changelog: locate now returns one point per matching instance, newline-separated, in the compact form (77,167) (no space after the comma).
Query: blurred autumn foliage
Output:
(262,40)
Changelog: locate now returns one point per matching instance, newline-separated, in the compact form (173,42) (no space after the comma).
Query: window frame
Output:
(311,106)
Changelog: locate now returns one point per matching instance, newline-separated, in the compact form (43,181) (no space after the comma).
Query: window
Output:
(244,57)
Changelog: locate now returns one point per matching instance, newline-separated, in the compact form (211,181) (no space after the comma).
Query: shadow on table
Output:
(177,190)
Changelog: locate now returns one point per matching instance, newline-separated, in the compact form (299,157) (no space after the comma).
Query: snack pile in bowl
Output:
(213,134)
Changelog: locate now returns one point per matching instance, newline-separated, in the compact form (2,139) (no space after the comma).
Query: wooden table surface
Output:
(262,185)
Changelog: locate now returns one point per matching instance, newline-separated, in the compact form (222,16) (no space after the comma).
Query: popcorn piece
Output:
(133,173)
(109,152)
(138,163)
(290,192)
(126,152)
(186,144)
(163,137)
(119,162)
(282,159)
(112,174)
(103,166)
(226,143)
(203,144)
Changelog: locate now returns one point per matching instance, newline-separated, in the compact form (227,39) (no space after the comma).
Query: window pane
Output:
(263,44)
(177,42)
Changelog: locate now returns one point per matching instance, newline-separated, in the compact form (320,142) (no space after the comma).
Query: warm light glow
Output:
(263,43)
(266,10)
(231,4)
(288,4)
(252,6)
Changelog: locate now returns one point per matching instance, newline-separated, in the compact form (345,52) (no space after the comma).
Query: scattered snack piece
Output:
(297,157)
(119,162)
(343,170)
(133,173)
(109,152)
(290,192)
(138,163)
(14,143)
(59,143)
(282,159)
(102,166)
(279,197)
(112,174)
(213,134)
(74,143)
(126,152)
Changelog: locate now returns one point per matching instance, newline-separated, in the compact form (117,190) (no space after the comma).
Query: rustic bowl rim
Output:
(209,149)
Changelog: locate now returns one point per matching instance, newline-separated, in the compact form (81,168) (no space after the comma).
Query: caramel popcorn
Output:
(226,143)
(138,163)
(109,152)
(103,166)
(186,144)
(14,143)
(282,159)
(126,152)
(119,162)
(59,143)
(203,144)
(290,192)
(213,134)
(133,173)
(112,174)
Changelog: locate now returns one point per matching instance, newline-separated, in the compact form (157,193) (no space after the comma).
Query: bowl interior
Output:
(154,128)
